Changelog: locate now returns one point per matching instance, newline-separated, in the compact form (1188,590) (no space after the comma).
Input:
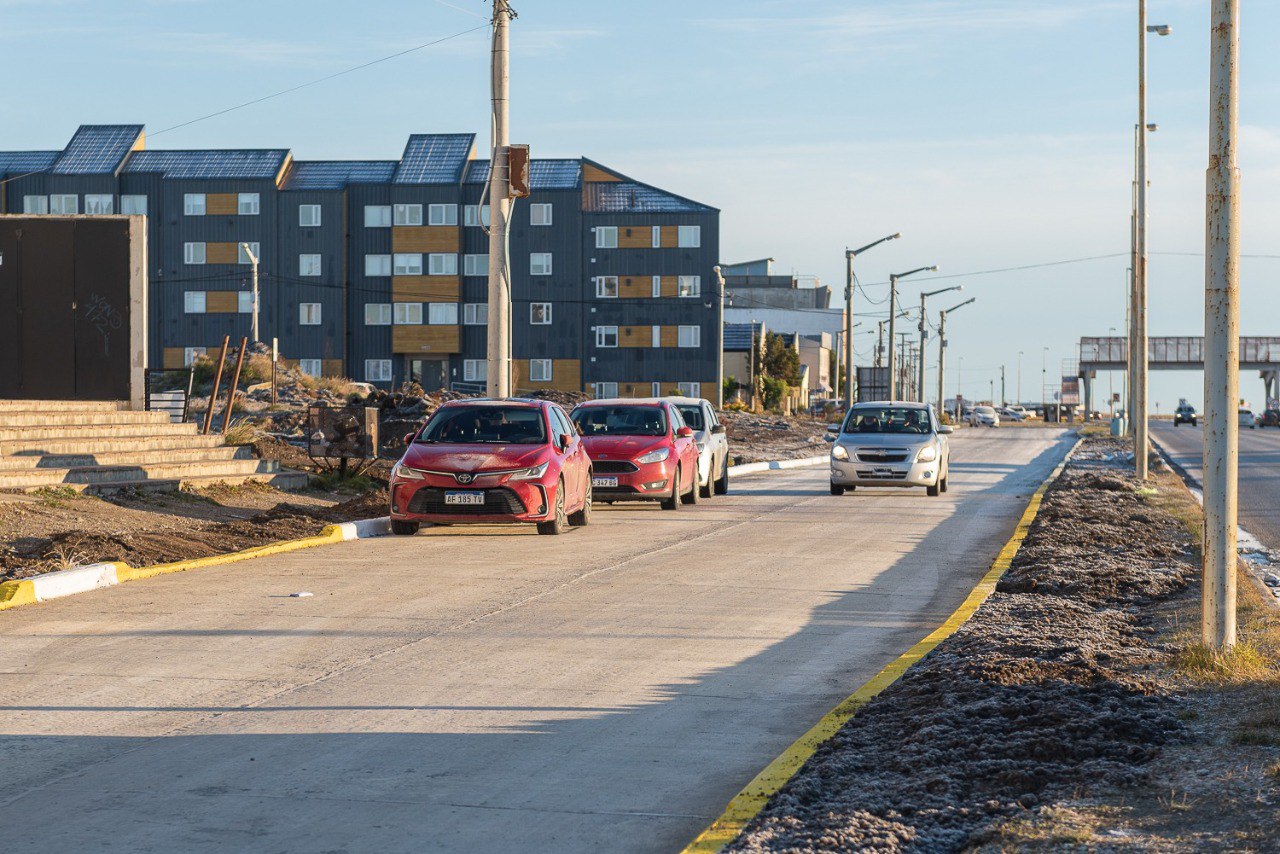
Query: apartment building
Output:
(377,269)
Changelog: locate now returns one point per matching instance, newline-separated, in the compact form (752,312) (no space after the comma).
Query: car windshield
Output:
(692,416)
(496,425)
(624,420)
(887,419)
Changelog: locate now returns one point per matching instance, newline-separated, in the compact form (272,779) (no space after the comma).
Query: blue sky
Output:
(992,133)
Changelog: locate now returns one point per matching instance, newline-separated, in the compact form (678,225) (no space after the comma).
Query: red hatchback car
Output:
(641,450)
(487,461)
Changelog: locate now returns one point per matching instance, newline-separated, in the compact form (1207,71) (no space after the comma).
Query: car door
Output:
(718,440)
(573,467)
(686,449)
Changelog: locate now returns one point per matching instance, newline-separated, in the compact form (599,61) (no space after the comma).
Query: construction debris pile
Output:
(756,438)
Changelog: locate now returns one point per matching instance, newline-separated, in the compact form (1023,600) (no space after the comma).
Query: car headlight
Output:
(402,472)
(838,452)
(654,456)
(927,454)
(532,473)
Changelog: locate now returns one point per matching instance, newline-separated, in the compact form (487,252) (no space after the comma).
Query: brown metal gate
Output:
(65,308)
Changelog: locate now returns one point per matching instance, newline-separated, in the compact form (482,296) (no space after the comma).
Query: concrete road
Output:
(1259,472)
(485,689)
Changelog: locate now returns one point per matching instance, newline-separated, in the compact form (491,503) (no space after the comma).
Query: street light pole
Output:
(1044,384)
(1002,396)
(1222,333)
(893,316)
(253,259)
(924,333)
(849,255)
(498,379)
(1019,377)
(942,351)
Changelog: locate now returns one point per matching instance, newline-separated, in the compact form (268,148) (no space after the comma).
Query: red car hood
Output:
(455,458)
(621,447)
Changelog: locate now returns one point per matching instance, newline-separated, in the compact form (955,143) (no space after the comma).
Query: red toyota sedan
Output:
(641,450)
(488,461)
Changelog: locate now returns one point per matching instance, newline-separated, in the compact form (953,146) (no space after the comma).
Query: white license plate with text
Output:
(464,498)
(604,482)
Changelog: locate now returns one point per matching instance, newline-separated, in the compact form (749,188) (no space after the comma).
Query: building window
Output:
(607,287)
(655,336)
(193,204)
(540,264)
(308,265)
(408,215)
(193,253)
(606,237)
(442,313)
(475,313)
(656,234)
(443,264)
(193,302)
(606,390)
(689,286)
(475,265)
(540,370)
(308,215)
(408,314)
(540,214)
(475,215)
(655,389)
(690,336)
(35,204)
(689,236)
(248,204)
(606,336)
(656,287)
(133,205)
(377,314)
(475,370)
(540,313)
(308,314)
(377,216)
(442,214)
(690,389)
(64,204)
(190,354)
(378,265)
(377,370)
(98,203)
(244,302)
(243,251)
(310,367)
(408,264)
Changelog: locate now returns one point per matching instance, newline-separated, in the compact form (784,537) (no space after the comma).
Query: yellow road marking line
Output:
(747,804)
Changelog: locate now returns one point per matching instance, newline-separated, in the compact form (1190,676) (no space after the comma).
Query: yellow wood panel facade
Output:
(222,253)
(670,336)
(566,375)
(635,287)
(592,173)
(426,339)
(635,237)
(220,204)
(670,286)
(221,302)
(635,336)
(173,357)
(670,236)
(331,367)
(425,289)
(425,238)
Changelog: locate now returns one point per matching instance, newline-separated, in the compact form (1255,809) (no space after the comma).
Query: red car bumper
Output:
(428,500)
(635,481)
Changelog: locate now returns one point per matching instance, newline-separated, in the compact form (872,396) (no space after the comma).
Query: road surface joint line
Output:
(746,805)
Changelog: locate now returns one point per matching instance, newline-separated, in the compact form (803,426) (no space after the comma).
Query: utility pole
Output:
(720,338)
(1003,401)
(849,255)
(893,317)
(1044,383)
(942,351)
(924,333)
(1019,401)
(253,259)
(1222,332)
(498,374)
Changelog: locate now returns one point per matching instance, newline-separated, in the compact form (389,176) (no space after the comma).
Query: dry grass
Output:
(241,432)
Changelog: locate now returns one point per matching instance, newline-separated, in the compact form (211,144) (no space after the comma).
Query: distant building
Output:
(744,345)
(378,269)
(754,293)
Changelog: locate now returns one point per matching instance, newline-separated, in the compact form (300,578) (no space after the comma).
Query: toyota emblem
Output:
(464,478)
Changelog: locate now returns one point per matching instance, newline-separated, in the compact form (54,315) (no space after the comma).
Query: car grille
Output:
(613,467)
(883,455)
(497,502)
(867,474)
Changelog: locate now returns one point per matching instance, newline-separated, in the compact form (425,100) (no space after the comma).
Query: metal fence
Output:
(169,390)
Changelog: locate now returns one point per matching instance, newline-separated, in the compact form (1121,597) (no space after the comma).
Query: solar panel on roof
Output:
(336,174)
(97,149)
(248,164)
(434,158)
(23,162)
(632,197)
(543,174)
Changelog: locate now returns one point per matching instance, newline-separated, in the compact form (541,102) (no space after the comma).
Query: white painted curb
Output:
(67,582)
(365,528)
(777,465)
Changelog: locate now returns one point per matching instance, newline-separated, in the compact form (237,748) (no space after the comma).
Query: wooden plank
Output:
(566,375)
(635,336)
(635,287)
(670,236)
(222,253)
(592,173)
(221,302)
(670,336)
(331,368)
(174,356)
(635,390)
(222,204)
(670,286)
(426,339)
(635,237)
(425,238)
(425,289)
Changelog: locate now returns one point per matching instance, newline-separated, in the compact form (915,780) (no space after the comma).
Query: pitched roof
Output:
(434,158)
(97,149)
(336,174)
(22,162)
(559,174)
(249,163)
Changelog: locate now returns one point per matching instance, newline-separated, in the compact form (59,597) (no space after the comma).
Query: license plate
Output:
(884,471)
(464,498)
(604,482)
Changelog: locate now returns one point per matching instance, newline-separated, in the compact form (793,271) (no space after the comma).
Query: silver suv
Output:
(713,444)
(890,444)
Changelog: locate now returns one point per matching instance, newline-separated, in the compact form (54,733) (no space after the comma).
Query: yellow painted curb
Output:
(331,534)
(747,804)
(15,593)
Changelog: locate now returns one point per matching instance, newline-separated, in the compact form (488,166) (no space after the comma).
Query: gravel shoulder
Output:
(1072,711)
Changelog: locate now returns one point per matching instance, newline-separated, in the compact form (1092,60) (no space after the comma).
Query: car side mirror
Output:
(565,439)
(718,429)
(684,432)
(944,429)
(833,428)
(409,437)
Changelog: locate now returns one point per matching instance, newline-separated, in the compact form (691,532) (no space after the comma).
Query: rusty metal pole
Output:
(235,380)
(1222,331)
(217,383)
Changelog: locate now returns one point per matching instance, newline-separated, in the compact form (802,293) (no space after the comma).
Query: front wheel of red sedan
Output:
(695,493)
(583,517)
(559,521)
(673,503)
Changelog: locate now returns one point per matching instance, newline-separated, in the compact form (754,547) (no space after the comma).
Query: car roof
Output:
(528,403)
(905,404)
(686,401)
(625,401)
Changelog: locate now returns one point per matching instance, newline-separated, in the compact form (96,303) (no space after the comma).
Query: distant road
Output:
(1259,472)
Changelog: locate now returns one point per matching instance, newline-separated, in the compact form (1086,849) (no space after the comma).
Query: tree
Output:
(780,361)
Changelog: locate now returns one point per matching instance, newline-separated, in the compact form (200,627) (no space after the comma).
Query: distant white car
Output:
(984,416)
(1010,414)
(713,444)
(1246,418)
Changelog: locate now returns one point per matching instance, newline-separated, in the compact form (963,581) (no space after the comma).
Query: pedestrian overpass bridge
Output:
(1175,353)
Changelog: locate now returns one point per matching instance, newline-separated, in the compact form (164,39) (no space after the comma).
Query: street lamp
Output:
(893,316)
(942,351)
(924,330)
(849,255)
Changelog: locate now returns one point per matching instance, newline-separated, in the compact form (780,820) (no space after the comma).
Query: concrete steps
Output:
(101,447)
